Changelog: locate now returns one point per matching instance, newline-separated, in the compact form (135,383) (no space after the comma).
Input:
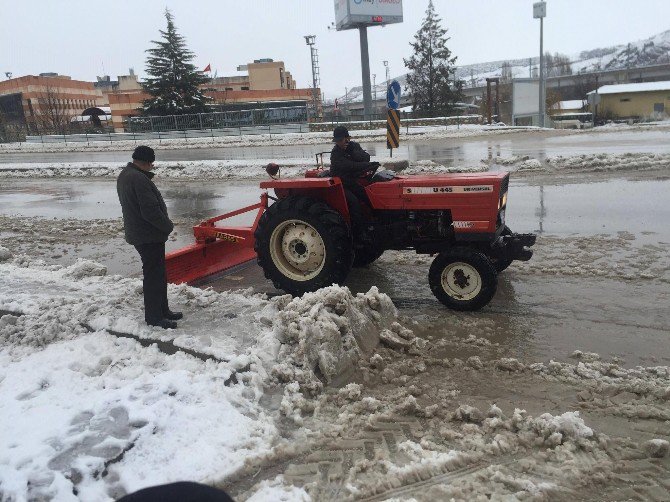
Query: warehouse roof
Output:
(641,87)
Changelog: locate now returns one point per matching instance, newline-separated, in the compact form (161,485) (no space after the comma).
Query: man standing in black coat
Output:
(147,227)
(348,161)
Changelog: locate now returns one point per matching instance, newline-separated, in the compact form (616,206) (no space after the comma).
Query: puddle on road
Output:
(74,198)
(570,209)
(591,208)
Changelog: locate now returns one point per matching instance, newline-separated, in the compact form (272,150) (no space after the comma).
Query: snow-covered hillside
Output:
(653,50)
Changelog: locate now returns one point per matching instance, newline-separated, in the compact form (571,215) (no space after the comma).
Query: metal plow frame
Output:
(217,249)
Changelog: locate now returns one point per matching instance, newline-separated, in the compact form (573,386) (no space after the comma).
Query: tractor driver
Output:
(348,161)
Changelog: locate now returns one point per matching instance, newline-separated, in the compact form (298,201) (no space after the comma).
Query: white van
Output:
(573,120)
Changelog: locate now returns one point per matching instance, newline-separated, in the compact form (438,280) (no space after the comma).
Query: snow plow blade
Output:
(216,250)
(198,261)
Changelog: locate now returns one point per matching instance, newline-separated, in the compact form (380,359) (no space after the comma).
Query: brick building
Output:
(47,102)
(265,81)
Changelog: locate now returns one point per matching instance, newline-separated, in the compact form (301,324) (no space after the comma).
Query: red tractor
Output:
(303,240)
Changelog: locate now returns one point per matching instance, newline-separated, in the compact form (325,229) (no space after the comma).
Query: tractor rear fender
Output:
(329,190)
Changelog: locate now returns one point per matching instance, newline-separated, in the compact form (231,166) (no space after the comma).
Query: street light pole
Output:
(316,81)
(386,65)
(540,12)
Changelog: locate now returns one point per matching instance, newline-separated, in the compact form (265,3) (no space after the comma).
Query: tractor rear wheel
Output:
(463,279)
(365,256)
(501,264)
(303,245)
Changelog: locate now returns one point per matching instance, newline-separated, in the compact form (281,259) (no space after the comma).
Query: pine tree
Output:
(431,79)
(173,82)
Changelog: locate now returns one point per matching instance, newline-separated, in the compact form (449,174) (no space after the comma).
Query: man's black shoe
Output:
(163,323)
(173,316)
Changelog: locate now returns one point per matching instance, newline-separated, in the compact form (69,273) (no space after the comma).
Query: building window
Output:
(659,108)
(624,100)
(245,88)
(229,88)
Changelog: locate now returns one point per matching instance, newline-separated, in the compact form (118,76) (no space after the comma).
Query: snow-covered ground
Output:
(300,399)
(95,403)
(255,168)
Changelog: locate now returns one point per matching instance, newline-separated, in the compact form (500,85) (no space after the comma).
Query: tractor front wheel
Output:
(303,245)
(463,279)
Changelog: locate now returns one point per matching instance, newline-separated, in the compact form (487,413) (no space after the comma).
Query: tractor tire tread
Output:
(486,270)
(329,223)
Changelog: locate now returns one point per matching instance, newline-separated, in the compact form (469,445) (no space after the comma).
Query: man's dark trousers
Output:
(155,281)
(356,196)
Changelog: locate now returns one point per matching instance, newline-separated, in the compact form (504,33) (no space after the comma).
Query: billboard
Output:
(354,13)
(525,97)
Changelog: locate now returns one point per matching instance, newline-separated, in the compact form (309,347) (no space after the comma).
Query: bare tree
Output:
(557,65)
(4,134)
(53,114)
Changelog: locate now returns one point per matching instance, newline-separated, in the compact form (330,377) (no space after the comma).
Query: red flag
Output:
(208,68)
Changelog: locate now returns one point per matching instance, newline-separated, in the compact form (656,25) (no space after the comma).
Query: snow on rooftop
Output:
(640,87)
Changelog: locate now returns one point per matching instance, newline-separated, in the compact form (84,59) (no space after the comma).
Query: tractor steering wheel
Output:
(371,171)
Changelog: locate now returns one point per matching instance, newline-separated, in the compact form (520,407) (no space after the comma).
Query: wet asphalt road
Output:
(449,151)
(536,313)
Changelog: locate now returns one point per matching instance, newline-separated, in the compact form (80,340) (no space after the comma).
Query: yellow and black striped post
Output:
(392,129)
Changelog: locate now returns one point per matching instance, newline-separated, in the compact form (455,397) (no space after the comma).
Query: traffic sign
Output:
(392,129)
(393,95)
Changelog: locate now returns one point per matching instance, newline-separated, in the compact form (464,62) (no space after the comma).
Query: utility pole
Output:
(540,12)
(388,79)
(316,79)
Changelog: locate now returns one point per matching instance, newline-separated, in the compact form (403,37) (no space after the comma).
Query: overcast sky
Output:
(80,37)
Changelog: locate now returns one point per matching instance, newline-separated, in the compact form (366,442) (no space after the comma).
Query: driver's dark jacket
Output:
(349,164)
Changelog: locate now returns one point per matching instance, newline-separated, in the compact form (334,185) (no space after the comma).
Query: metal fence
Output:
(218,120)
(185,134)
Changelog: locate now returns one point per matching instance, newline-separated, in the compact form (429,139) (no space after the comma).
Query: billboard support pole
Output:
(542,98)
(365,68)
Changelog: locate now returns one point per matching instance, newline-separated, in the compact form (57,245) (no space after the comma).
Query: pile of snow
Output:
(209,169)
(201,169)
(638,393)
(4,254)
(323,337)
(49,230)
(612,256)
(430,167)
(472,441)
(604,162)
(601,162)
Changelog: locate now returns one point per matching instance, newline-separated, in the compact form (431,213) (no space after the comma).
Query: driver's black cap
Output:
(340,132)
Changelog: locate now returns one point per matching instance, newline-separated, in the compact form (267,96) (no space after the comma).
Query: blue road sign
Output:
(393,95)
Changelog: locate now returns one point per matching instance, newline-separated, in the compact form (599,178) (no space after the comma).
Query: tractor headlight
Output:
(503,201)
